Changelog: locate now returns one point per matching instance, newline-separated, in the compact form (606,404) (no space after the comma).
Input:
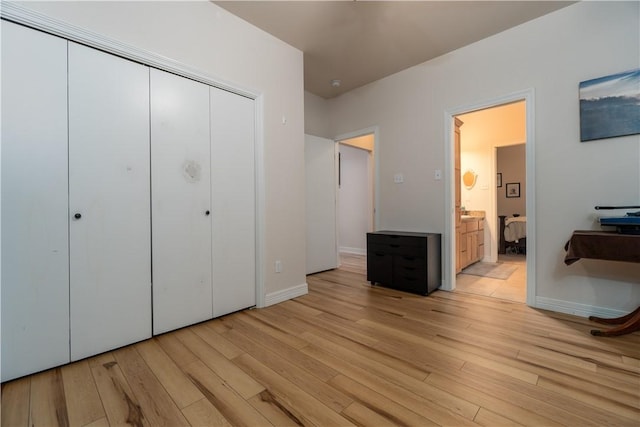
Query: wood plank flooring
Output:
(350,354)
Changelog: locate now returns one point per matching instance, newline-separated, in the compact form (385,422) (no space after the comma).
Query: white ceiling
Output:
(359,42)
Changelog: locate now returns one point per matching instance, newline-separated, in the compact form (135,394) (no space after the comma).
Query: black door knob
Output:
(77,216)
(207,213)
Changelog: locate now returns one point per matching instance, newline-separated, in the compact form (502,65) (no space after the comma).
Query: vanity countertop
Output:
(472,215)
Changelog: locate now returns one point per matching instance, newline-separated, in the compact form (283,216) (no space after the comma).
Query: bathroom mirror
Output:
(469,179)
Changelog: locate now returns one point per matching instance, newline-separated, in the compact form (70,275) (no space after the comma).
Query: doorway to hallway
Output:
(335,225)
(355,194)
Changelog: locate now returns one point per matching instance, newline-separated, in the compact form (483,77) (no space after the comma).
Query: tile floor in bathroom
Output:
(513,289)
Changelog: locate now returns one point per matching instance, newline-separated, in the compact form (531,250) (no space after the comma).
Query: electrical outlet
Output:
(398,178)
(438,174)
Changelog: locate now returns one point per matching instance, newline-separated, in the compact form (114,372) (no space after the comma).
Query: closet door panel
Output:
(233,201)
(181,194)
(35,264)
(109,190)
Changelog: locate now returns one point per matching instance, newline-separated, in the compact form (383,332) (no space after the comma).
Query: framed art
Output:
(499,179)
(609,106)
(513,189)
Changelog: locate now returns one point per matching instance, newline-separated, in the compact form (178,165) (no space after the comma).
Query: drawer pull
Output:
(395,246)
(409,258)
(409,268)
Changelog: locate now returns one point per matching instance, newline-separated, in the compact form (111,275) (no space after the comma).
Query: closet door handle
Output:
(77,216)
(207,213)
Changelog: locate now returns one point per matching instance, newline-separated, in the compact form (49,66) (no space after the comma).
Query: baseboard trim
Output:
(577,309)
(354,251)
(286,294)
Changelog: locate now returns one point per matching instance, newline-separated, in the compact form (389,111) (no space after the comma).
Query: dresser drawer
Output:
(396,249)
(412,252)
(402,275)
(410,262)
(379,267)
(411,281)
(472,225)
(377,248)
(395,241)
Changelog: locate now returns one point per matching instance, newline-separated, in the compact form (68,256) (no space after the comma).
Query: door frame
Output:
(375,131)
(449,273)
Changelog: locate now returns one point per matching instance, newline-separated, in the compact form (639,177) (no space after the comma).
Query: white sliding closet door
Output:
(181,194)
(109,198)
(35,263)
(233,201)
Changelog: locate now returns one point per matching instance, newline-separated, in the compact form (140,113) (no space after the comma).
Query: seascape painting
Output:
(610,106)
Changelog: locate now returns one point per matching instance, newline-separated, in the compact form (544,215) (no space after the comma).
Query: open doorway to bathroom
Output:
(491,245)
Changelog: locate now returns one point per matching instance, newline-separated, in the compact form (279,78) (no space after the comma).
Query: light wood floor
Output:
(514,288)
(350,354)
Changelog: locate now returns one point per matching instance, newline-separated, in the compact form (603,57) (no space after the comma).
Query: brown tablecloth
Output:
(604,245)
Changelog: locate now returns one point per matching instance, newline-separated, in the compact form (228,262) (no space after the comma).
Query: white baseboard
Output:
(582,310)
(285,294)
(355,251)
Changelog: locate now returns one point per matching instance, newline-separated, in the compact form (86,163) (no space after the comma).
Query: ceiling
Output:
(359,42)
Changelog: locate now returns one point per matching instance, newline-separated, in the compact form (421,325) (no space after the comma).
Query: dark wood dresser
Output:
(404,260)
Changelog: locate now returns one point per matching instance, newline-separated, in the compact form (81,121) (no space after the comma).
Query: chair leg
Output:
(625,324)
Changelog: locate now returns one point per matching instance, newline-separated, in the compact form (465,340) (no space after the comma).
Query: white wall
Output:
(211,40)
(552,55)
(354,200)
(316,114)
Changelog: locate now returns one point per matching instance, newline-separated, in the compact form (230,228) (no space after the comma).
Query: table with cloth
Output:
(610,246)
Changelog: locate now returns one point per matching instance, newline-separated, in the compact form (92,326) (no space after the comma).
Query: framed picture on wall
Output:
(609,106)
(499,179)
(513,189)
